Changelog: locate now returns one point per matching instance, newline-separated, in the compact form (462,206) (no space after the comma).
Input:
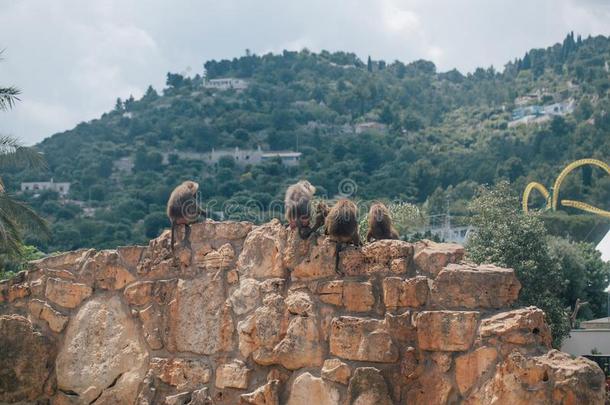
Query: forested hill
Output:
(398,131)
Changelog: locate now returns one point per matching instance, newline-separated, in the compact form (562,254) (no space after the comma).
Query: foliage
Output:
(445,133)
(15,216)
(508,237)
(10,265)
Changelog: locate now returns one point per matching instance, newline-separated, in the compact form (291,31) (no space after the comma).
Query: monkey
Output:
(182,208)
(297,206)
(380,223)
(319,219)
(342,222)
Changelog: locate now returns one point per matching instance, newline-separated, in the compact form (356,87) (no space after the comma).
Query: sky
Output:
(73,58)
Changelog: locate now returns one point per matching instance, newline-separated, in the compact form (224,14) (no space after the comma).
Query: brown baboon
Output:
(342,222)
(182,208)
(318,220)
(297,206)
(380,224)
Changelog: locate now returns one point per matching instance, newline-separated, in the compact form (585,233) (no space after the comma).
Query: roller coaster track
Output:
(552,198)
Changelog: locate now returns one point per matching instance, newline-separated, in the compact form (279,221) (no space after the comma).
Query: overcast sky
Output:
(73,58)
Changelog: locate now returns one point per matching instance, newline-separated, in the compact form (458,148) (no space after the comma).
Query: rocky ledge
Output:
(245,314)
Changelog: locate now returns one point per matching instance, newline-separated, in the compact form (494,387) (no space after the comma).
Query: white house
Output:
(226,84)
(37,186)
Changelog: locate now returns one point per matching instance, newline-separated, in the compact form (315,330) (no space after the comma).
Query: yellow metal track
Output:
(552,199)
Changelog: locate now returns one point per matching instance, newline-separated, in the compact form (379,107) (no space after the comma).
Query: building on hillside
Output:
(124,164)
(37,186)
(288,158)
(226,83)
(370,126)
(538,114)
(241,157)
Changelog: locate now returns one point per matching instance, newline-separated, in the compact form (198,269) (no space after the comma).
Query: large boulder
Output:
(103,357)
(262,254)
(553,378)
(450,331)
(362,339)
(196,317)
(308,390)
(26,358)
(471,287)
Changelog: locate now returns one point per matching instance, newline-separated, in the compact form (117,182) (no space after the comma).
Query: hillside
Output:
(395,130)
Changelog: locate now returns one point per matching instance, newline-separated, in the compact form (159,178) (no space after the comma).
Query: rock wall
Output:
(247,314)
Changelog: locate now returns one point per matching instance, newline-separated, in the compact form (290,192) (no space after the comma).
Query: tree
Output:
(508,237)
(15,216)
(369,65)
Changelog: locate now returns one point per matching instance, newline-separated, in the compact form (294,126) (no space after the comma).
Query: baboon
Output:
(342,222)
(380,223)
(297,206)
(182,208)
(318,220)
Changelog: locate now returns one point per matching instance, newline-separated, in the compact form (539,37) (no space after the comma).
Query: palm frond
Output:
(10,237)
(24,216)
(8,97)
(13,153)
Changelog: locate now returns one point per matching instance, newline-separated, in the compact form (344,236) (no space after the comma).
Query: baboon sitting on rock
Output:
(380,224)
(342,223)
(182,208)
(297,207)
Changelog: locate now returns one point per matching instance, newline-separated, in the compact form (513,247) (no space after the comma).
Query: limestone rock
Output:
(412,292)
(106,270)
(471,368)
(233,375)
(301,346)
(102,355)
(358,297)
(472,287)
(139,293)
(362,339)
(42,310)
(319,262)
(299,303)
(261,331)
(355,296)
(216,260)
(18,291)
(246,297)
(367,387)
(383,256)
(337,371)
(384,251)
(152,324)
(66,293)
(553,378)
(331,292)
(431,387)
(265,395)
(262,252)
(525,326)
(307,390)
(184,374)
(64,261)
(201,397)
(446,330)
(196,316)
(26,357)
(130,255)
(431,257)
